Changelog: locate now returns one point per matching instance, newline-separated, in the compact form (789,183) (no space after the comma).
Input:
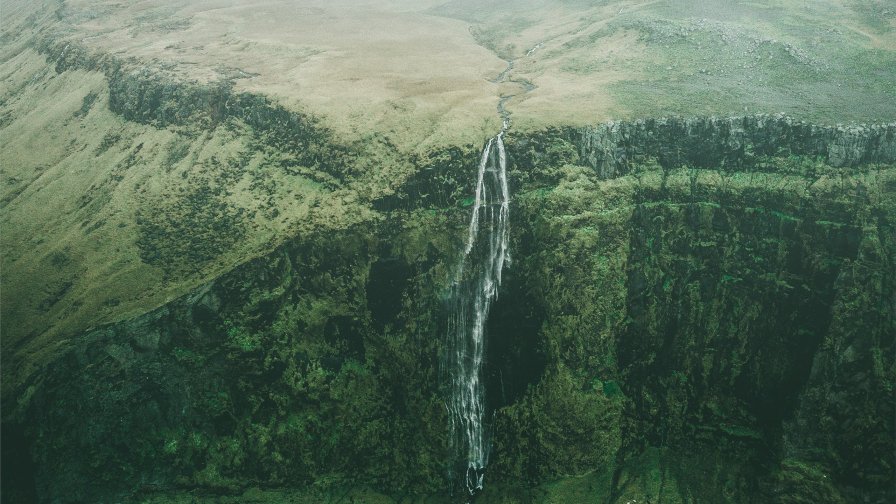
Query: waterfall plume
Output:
(474,288)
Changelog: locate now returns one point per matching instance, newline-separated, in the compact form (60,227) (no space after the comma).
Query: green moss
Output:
(241,339)
(798,482)
(740,431)
(187,356)
(559,429)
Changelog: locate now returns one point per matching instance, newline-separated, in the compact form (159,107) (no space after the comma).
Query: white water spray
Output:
(473,290)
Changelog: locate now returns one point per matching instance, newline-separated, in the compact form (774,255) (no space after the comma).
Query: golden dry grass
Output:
(420,71)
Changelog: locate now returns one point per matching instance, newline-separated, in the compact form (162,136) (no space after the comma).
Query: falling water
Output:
(472,292)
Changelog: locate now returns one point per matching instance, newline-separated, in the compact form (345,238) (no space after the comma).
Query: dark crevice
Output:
(774,312)
(389,278)
(18,481)
(514,357)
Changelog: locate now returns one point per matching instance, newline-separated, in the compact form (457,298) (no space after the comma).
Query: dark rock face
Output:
(732,332)
(843,406)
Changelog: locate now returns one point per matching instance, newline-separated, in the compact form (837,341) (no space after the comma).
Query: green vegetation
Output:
(658,336)
(220,297)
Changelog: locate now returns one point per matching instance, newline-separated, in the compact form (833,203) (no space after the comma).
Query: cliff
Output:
(221,285)
(696,309)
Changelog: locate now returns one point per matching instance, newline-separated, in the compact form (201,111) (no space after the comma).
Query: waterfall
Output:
(472,292)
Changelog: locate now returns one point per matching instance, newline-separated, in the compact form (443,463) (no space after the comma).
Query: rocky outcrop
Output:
(733,142)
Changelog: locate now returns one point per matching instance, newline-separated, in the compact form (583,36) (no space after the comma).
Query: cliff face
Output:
(697,309)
